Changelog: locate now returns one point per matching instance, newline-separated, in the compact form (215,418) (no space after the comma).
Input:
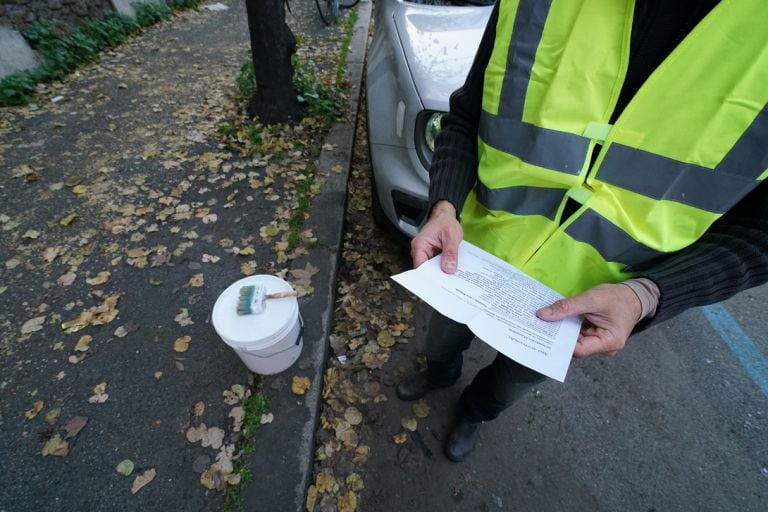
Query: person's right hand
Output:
(441,234)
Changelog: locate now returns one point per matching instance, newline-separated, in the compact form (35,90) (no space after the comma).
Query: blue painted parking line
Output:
(740,344)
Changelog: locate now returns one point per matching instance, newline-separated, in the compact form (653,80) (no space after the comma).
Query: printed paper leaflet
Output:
(498,303)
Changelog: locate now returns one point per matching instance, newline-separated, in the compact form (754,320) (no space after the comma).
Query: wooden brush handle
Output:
(280,295)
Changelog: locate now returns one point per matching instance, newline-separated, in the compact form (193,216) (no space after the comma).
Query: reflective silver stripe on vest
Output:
(526,36)
(610,241)
(659,177)
(506,131)
(748,158)
(551,149)
(521,200)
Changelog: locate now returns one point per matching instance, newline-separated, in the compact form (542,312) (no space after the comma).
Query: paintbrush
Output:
(252,299)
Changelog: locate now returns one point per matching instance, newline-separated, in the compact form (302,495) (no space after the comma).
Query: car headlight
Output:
(432,129)
(427,128)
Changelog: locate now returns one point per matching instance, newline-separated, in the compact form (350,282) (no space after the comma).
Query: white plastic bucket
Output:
(268,342)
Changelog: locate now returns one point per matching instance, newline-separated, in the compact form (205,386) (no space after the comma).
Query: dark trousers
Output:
(493,389)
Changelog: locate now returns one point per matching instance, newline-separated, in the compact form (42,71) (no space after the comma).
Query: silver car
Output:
(420,53)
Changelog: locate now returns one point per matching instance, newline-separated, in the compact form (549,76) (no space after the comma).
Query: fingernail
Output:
(450,266)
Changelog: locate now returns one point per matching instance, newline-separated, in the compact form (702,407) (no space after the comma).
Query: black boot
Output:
(462,440)
(414,388)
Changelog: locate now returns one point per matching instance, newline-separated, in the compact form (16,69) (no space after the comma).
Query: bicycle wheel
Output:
(329,10)
(346,4)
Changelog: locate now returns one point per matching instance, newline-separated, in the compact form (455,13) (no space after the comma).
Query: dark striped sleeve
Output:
(730,257)
(454,165)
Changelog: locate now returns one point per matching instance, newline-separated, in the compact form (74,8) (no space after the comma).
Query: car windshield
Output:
(453,2)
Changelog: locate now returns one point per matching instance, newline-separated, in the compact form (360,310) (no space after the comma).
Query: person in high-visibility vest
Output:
(615,150)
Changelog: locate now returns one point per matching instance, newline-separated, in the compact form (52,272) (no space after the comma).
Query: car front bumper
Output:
(402,190)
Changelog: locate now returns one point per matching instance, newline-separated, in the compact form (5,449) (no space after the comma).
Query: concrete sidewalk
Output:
(282,461)
(120,199)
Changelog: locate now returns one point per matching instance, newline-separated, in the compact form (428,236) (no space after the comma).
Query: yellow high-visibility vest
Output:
(688,146)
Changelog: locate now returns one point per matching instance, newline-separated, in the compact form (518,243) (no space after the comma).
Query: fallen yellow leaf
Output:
(325,482)
(101,278)
(347,502)
(69,219)
(84,343)
(182,344)
(238,415)
(409,424)
(99,394)
(353,416)
(207,479)
(195,434)
(361,453)
(311,498)
(385,339)
(300,385)
(35,410)
(67,279)
(33,325)
(125,467)
(142,480)
(355,482)
(248,268)
(183,318)
(197,281)
(420,409)
(56,446)
(53,415)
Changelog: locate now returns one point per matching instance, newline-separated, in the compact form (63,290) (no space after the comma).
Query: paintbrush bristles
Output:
(251,300)
(245,301)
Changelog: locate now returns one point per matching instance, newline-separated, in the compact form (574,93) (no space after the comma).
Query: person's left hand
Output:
(610,313)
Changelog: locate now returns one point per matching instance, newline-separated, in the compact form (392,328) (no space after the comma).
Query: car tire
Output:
(379,217)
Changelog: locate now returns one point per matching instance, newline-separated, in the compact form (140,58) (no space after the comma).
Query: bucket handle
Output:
(301,330)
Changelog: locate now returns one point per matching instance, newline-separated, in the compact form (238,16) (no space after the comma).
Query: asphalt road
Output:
(674,422)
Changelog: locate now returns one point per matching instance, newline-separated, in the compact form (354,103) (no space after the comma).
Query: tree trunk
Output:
(272,44)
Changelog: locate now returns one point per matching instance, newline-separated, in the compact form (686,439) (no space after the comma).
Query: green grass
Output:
(254,132)
(296,221)
(17,89)
(255,405)
(62,52)
(186,4)
(349,27)
(319,100)
(246,81)
(147,14)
